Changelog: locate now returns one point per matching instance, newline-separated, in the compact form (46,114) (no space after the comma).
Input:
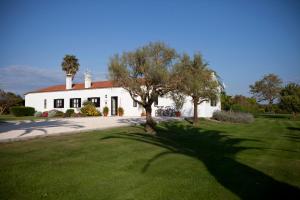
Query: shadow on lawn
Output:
(217,151)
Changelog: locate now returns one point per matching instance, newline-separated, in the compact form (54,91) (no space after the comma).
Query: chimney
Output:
(87,80)
(69,81)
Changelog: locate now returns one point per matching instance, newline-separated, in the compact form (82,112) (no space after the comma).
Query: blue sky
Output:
(242,40)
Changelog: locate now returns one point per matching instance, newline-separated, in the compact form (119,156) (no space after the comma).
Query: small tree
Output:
(70,65)
(290,98)
(267,89)
(197,81)
(145,73)
(9,99)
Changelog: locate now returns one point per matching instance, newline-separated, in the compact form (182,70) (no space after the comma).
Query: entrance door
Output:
(114,106)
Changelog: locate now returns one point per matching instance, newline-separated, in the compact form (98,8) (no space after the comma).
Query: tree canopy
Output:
(7,100)
(145,73)
(267,89)
(197,80)
(290,98)
(70,65)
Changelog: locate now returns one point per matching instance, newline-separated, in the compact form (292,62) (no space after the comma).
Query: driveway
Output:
(21,130)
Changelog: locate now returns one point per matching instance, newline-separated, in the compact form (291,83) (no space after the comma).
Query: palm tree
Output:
(70,65)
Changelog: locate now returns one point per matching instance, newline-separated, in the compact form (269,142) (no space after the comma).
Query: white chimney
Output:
(69,81)
(87,80)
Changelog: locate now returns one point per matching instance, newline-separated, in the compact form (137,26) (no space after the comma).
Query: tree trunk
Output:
(150,123)
(195,111)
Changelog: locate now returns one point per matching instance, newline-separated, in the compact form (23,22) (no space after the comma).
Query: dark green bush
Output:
(20,111)
(69,112)
(236,117)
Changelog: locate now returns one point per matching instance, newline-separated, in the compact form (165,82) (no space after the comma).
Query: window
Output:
(45,103)
(75,103)
(213,102)
(156,101)
(134,103)
(58,103)
(95,100)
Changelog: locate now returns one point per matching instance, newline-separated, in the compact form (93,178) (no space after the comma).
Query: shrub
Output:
(45,114)
(38,114)
(55,113)
(120,111)
(20,111)
(105,111)
(88,103)
(90,110)
(69,112)
(236,117)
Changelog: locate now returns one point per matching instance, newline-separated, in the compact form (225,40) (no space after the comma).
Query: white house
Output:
(103,93)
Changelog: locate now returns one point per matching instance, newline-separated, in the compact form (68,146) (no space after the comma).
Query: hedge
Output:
(20,111)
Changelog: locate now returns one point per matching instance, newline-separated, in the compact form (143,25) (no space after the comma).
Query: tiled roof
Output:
(76,86)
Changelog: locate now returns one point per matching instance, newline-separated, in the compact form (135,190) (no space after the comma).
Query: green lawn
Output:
(214,161)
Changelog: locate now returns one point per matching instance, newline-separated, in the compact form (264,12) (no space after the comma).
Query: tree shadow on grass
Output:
(217,151)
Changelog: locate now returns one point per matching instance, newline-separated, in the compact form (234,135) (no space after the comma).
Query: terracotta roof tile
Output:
(76,86)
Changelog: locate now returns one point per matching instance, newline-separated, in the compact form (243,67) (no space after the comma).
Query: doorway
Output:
(114,106)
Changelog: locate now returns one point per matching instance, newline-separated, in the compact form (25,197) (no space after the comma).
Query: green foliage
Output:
(290,98)
(120,111)
(9,99)
(20,111)
(267,89)
(105,110)
(70,65)
(85,103)
(145,73)
(69,112)
(236,117)
(38,114)
(226,101)
(195,79)
(178,99)
(90,110)
(55,113)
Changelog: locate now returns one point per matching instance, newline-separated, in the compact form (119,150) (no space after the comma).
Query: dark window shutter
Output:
(79,102)
(62,103)
(54,103)
(71,103)
(98,102)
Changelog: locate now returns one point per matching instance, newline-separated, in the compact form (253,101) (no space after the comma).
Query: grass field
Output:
(211,161)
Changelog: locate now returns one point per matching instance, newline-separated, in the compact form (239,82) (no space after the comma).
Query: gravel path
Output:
(22,130)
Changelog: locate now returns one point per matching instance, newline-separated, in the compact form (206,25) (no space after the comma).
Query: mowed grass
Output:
(211,161)
(4,118)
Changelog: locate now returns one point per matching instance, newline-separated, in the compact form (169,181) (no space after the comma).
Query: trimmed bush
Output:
(120,111)
(55,113)
(236,117)
(20,111)
(69,112)
(105,111)
(90,110)
(38,114)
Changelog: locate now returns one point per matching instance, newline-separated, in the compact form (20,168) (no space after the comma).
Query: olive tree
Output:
(267,89)
(145,73)
(197,81)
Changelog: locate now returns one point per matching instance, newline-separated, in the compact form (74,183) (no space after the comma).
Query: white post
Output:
(87,80)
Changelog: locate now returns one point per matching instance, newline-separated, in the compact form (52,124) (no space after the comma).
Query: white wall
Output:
(36,100)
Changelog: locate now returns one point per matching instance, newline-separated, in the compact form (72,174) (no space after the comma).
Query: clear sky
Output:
(242,40)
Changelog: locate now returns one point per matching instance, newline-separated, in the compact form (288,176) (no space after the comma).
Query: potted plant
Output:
(178,99)
(105,111)
(120,111)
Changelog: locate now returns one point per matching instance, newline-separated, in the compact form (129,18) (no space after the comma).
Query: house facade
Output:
(103,93)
